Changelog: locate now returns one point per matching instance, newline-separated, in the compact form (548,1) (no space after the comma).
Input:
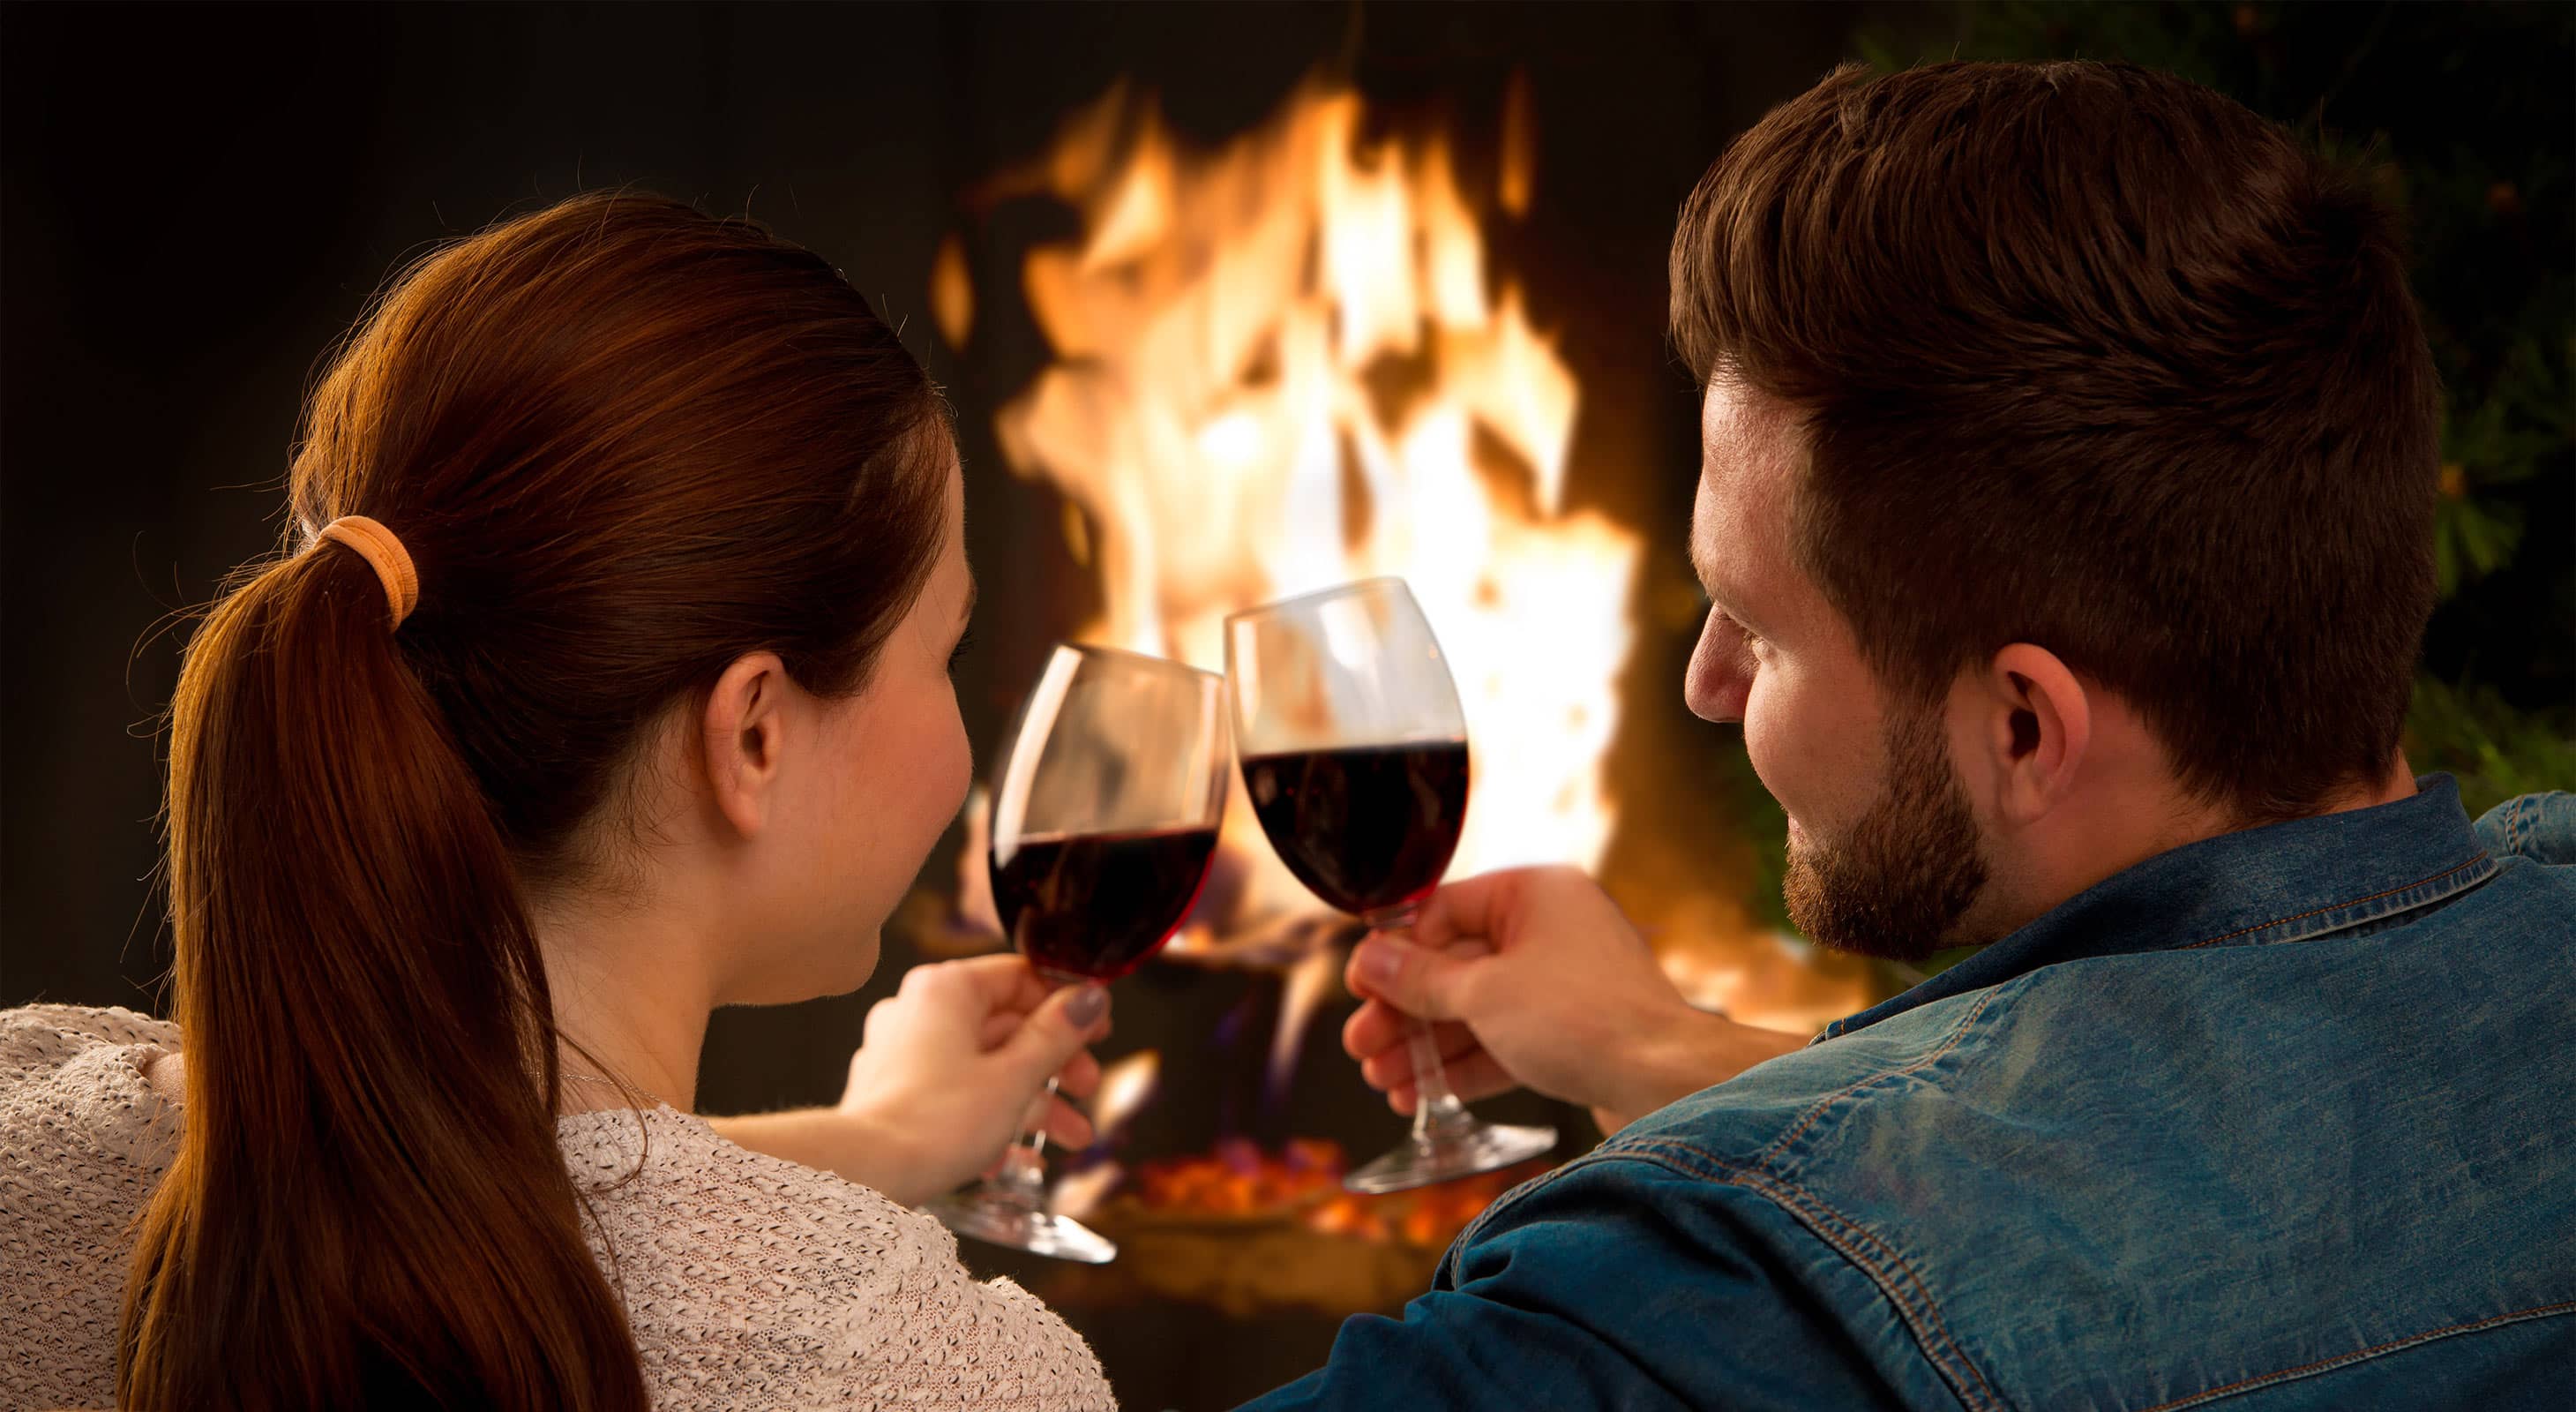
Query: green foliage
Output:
(2496,751)
(1765,825)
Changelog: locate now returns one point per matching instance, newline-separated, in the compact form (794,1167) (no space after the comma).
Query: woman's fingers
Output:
(999,1026)
(1081,1078)
(1066,1126)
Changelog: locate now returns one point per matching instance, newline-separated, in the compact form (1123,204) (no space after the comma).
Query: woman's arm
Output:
(950,1067)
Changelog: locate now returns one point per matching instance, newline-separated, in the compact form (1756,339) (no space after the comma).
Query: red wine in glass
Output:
(1104,823)
(1354,749)
(1366,828)
(1096,905)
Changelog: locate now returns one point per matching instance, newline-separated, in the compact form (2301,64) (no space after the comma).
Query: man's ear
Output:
(2034,722)
(741,735)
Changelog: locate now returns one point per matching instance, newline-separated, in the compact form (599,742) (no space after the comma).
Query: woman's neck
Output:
(631,999)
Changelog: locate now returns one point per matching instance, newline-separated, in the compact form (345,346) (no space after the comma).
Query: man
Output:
(2066,506)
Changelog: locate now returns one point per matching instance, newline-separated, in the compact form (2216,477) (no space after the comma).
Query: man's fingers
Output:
(1377,1027)
(1391,1069)
(1417,980)
(1474,1077)
(1467,907)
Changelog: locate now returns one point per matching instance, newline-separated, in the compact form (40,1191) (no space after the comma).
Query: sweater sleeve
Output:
(754,1281)
(83,1142)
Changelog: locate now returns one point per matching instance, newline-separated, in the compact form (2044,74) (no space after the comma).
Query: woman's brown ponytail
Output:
(624,444)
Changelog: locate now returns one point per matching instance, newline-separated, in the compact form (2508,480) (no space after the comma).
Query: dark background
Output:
(194,201)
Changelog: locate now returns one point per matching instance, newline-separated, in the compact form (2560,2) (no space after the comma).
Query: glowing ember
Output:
(1305,1183)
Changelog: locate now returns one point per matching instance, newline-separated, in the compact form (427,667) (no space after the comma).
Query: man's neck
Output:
(2398,783)
(2084,852)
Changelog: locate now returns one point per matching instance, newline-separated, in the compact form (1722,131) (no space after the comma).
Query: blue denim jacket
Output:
(2281,1119)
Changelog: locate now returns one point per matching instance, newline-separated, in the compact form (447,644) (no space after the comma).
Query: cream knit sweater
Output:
(751,1282)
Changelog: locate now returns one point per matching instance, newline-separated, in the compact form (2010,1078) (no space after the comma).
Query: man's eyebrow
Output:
(1709,585)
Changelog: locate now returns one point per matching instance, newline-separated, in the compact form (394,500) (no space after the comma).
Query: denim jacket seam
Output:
(1900,1285)
(1925,1061)
(2360,1355)
(2431,888)
(1448,1265)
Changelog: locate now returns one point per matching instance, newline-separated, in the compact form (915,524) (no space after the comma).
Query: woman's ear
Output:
(742,734)
(2035,723)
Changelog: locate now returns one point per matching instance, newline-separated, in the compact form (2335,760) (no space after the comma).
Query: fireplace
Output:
(1209,370)
(1240,315)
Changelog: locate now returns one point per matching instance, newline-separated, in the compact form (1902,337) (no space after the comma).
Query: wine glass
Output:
(1105,816)
(1355,754)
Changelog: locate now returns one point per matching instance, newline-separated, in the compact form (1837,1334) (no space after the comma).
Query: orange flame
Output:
(1285,364)
(1288,362)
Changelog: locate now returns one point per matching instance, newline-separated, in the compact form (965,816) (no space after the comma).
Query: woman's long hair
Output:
(624,443)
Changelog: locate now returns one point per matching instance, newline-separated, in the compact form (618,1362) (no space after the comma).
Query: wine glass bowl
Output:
(1354,754)
(1105,815)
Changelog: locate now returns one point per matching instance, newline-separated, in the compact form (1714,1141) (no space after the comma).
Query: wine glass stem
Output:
(1022,1179)
(1437,1112)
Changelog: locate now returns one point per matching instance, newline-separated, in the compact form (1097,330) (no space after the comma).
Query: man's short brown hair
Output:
(2094,358)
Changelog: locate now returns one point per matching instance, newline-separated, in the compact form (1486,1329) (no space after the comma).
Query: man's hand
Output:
(952,1066)
(1533,977)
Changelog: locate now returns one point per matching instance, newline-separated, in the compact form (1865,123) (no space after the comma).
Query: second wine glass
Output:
(1104,822)
(1354,751)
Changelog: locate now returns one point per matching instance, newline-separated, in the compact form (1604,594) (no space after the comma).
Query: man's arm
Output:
(1622,1282)
(1540,981)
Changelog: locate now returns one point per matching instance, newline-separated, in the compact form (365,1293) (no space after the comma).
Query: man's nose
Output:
(1712,686)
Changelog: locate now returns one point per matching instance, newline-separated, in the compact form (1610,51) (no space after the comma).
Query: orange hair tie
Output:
(383,553)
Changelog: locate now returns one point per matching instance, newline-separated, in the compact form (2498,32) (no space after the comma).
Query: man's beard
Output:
(1897,883)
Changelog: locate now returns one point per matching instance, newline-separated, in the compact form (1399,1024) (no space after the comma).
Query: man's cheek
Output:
(1763,749)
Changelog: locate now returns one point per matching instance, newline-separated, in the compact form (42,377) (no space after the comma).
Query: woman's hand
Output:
(951,1068)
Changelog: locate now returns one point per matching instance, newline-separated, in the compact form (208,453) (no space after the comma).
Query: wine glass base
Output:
(1019,1228)
(1442,1157)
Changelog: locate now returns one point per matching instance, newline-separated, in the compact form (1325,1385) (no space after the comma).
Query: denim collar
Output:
(2282,882)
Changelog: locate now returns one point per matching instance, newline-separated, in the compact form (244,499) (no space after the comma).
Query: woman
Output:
(605,681)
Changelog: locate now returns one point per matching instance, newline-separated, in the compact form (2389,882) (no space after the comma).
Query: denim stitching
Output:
(2362,1355)
(1913,1300)
(1474,1228)
(1918,1298)
(1682,1156)
(1857,1085)
(2337,906)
